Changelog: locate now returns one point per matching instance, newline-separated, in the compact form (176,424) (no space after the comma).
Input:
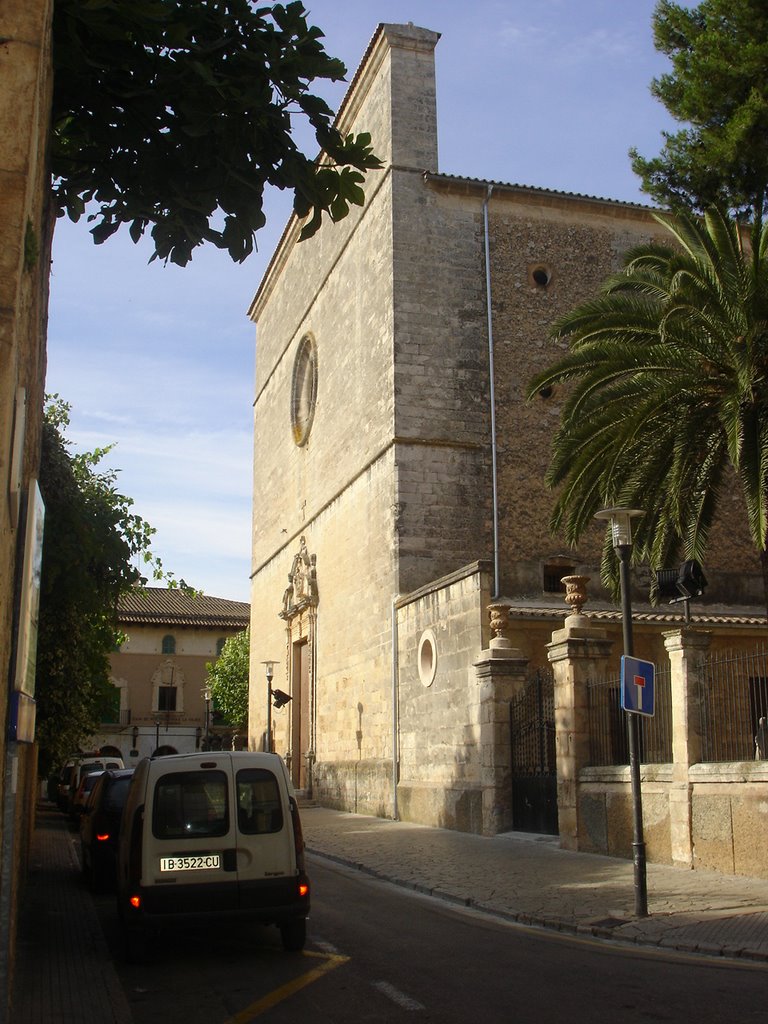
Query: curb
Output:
(706,950)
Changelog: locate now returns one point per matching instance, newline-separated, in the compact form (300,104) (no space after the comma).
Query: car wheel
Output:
(294,935)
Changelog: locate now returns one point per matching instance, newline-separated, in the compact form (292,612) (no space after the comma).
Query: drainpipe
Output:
(395,717)
(492,376)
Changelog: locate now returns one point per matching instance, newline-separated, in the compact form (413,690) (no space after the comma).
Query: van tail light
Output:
(298,835)
(303,886)
(102,837)
(135,902)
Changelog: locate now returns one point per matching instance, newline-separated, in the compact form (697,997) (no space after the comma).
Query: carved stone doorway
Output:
(300,713)
(299,613)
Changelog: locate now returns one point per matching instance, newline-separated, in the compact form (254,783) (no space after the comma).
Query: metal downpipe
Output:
(492,381)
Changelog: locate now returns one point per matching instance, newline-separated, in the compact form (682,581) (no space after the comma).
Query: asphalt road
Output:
(377,953)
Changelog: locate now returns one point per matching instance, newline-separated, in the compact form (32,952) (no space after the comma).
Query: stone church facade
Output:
(398,469)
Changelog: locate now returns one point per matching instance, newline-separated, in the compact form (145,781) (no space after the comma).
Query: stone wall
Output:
(439,700)
(729,815)
(355,580)
(25,234)
(392,487)
(703,815)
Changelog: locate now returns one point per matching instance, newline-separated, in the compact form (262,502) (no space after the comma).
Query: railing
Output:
(608,744)
(734,697)
(532,727)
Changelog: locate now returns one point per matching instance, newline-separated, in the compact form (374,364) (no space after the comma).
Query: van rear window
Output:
(259,809)
(190,804)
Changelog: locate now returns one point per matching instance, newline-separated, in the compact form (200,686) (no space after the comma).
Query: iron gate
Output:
(534,774)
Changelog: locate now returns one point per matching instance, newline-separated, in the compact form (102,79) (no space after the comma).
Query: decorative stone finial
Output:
(576,597)
(499,613)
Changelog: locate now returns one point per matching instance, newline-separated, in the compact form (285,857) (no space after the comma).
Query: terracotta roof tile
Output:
(161,606)
(670,619)
(439,178)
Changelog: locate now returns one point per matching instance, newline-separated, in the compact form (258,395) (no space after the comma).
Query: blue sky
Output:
(160,360)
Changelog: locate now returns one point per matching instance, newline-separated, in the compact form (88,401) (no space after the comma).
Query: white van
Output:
(211,834)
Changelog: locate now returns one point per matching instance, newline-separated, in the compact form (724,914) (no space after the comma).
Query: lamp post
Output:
(621,536)
(269,667)
(207,697)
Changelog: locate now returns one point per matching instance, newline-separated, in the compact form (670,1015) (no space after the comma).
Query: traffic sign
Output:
(637,685)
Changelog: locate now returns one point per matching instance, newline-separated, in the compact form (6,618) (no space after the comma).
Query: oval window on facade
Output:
(304,390)
(427,657)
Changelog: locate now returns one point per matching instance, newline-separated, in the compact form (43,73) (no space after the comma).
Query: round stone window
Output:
(304,389)
(427,657)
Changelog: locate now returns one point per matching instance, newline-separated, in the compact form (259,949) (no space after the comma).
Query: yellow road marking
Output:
(279,994)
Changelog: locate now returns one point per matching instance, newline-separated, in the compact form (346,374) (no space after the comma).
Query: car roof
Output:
(118,773)
(89,780)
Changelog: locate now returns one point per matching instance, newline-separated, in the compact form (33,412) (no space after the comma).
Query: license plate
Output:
(203,862)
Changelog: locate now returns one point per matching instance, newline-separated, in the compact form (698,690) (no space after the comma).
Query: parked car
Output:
(211,836)
(100,826)
(80,767)
(64,786)
(87,782)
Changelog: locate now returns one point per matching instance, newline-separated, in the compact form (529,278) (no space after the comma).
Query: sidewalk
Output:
(529,879)
(64,972)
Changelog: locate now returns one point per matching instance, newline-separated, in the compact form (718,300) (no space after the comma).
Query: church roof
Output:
(160,606)
(482,184)
(699,616)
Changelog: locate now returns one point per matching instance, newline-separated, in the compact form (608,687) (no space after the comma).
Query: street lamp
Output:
(621,537)
(207,697)
(274,697)
(269,666)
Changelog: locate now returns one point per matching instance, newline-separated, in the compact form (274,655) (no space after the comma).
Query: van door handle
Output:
(229,860)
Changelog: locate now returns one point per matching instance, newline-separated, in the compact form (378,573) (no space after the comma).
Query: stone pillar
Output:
(577,653)
(687,648)
(501,672)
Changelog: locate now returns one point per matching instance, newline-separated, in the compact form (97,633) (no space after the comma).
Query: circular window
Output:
(304,390)
(540,275)
(427,657)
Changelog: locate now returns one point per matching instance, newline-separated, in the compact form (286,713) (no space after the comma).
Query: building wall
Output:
(579,242)
(338,489)
(729,813)
(438,703)
(138,667)
(442,414)
(392,490)
(25,71)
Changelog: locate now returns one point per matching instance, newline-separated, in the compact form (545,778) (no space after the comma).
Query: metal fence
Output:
(532,726)
(608,744)
(734,698)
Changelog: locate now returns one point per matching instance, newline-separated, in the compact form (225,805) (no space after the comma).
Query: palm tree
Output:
(668,375)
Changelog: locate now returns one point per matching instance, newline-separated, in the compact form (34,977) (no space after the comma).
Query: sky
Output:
(159,360)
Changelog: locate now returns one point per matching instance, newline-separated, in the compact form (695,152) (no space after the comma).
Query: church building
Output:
(399,470)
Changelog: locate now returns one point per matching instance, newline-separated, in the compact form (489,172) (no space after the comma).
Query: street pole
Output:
(269,665)
(633,735)
(621,534)
(207,696)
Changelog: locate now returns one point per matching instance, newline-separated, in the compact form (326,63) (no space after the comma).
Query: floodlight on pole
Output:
(620,520)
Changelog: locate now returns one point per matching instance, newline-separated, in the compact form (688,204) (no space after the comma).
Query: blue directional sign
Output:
(637,685)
